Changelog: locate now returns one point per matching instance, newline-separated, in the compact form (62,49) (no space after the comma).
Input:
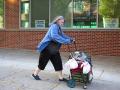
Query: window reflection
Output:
(25,13)
(1,13)
(62,7)
(84,13)
(77,13)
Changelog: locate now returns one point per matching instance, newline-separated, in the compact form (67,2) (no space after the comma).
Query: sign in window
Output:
(39,23)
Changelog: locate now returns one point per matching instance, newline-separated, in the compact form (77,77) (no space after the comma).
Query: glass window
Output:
(39,13)
(77,13)
(1,13)
(84,13)
(109,13)
(25,12)
(64,8)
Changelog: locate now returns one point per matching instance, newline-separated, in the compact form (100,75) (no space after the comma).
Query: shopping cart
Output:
(83,72)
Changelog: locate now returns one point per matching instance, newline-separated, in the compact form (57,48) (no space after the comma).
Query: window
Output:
(62,7)
(77,13)
(1,13)
(34,13)
(84,13)
(39,13)
(109,13)
(25,9)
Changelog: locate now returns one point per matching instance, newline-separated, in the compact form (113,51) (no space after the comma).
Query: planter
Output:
(111,22)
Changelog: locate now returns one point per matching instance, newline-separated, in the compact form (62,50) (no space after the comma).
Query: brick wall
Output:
(11,14)
(93,42)
(97,42)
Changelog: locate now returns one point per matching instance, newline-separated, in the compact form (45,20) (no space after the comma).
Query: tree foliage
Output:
(109,8)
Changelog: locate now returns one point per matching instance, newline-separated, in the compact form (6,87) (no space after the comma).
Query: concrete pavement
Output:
(17,65)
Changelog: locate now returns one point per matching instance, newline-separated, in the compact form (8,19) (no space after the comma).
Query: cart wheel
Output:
(85,87)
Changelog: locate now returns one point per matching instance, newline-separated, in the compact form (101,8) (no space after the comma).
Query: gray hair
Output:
(56,19)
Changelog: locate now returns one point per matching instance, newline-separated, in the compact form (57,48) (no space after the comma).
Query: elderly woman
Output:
(49,48)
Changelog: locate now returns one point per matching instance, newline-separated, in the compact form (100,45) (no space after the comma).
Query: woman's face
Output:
(60,22)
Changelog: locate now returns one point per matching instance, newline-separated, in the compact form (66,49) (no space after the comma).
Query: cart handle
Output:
(74,43)
(69,50)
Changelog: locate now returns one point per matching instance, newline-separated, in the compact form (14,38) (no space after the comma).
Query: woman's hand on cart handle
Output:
(73,40)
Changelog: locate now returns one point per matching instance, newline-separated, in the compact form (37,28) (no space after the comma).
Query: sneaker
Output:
(36,77)
(65,80)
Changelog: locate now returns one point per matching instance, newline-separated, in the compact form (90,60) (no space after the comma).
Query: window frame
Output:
(65,28)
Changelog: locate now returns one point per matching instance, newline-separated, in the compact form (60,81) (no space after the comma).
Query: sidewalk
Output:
(17,65)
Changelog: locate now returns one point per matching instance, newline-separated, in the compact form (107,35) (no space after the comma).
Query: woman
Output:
(49,48)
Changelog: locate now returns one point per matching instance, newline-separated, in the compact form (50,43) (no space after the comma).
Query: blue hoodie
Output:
(54,34)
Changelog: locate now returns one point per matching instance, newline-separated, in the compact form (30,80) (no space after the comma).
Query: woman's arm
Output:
(57,37)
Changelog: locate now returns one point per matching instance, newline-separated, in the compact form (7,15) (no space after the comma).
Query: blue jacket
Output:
(54,34)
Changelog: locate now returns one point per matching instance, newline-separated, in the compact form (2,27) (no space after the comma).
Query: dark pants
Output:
(55,58)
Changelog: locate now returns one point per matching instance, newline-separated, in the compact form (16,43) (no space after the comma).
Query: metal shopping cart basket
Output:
(83,72)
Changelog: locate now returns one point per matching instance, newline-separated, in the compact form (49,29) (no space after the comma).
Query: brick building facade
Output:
(95,42)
